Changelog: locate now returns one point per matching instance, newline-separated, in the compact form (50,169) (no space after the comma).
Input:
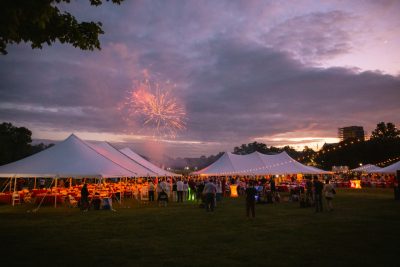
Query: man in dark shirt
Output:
(84,198)
(210,191)
(318,187)
(250,200)
(309,193)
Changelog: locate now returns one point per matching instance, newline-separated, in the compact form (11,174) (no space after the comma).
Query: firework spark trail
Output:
(157,107)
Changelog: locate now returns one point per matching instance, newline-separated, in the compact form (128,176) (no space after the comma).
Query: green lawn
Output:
(364,230)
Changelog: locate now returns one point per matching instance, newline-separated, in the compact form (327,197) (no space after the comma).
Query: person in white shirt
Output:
(329,192)
(179,190)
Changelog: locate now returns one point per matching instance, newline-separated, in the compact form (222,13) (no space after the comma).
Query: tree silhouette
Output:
(40,21)
(387,130)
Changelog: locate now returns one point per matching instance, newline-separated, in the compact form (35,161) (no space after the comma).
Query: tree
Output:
(40,21)
(250,148)
(387,130)
(14,142)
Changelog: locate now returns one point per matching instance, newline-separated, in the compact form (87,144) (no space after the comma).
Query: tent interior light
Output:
(234,192)
(355,184)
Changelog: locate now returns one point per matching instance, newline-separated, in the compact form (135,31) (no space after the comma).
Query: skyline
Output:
(245,71)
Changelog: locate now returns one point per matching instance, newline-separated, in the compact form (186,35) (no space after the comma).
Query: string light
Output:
(259,168)
(323,151)
(388,161)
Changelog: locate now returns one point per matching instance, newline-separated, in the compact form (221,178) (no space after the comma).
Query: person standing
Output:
(219,191)
(329,192)
(210,191)
(309,193)
(151,191)
(84,198)
(318,187)
(185,190)
(179,190)
(250,200)
(192,187)
(273,188)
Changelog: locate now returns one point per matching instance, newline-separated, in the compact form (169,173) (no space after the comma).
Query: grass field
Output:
(363,230)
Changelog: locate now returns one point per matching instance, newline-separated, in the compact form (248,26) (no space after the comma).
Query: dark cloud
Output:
(241,68)
(252,91)
(314,36)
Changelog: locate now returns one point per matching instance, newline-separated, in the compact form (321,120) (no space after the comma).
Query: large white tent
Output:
(69,158)
(367,168)
(257,164)
(390,169)
(121,159)
(143,162)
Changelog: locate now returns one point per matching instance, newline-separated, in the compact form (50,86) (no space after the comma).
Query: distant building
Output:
(351,132)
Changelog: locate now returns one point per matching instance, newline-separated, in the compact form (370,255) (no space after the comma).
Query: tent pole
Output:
(120,191)
(15,186)
(15,183)
(34,184)
(10,183)
(55,194)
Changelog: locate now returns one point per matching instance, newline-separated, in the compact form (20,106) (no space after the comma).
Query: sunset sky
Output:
(277,72)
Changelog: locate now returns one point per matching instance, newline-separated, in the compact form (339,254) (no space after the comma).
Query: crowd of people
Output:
(309,191)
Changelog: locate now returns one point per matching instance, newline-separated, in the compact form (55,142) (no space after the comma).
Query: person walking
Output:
(210,191)
(250,200)
(329,192)
(318,187)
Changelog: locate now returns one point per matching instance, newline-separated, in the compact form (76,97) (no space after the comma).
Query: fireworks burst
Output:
(157,108)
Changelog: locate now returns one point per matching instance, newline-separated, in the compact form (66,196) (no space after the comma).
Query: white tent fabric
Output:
(367,168)
(69,158)
(390,169)
(257,164)
(143,162)
(121,159)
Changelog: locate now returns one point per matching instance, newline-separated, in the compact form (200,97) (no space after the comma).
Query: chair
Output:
(73,203)
(15,198)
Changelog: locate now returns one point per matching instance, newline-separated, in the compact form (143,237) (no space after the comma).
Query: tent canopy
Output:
(145,163)
(69,158)
(389,169)
(121,159)
(257,164)
(367,168)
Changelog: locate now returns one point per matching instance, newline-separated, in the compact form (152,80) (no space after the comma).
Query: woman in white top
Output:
(329,192)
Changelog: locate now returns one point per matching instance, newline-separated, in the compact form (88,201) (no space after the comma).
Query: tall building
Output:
(351,132)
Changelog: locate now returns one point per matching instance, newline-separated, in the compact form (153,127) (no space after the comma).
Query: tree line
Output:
(384,144)
(16,143)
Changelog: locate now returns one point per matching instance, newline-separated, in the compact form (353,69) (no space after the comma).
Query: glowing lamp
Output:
(234,192)
(355,184)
